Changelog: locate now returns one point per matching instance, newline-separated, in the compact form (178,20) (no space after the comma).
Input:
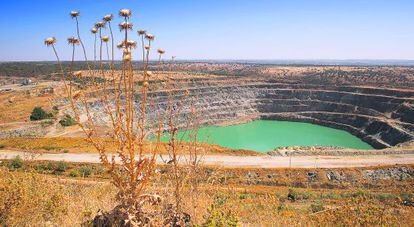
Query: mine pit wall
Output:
(371,114)
(381,117)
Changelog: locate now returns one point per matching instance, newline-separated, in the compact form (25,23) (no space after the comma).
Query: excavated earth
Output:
(377,109)
(382,117)
(375,104)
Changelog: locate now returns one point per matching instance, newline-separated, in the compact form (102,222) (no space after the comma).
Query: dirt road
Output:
(248,161)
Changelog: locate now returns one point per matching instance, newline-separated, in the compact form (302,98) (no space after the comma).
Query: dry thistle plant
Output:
(183,170)
(122,97)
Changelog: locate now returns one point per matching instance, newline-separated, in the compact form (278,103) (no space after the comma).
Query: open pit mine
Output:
(376,104)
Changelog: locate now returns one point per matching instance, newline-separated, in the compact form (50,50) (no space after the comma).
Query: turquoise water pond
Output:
(266,135)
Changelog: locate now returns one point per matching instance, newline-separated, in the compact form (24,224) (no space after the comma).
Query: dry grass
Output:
(33,199)
(17,106)
(28,199)
(80,145)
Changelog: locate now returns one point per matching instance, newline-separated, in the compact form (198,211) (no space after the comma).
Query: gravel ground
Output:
(247,161)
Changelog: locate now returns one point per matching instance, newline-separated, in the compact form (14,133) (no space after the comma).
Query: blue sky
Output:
(223,29)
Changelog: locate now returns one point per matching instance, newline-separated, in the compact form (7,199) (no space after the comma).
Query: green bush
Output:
(39,114)
(57,168)
(85,171)
(16,163)
(62,166)
(75,173)
(292,195)
(2,146)
(295,194)
(218,217)
(67,121)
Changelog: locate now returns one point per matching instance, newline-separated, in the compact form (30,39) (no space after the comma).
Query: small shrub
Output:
(220,199)
(294,195)
(316,207)
(62,166)
(99,170)
(2,146)
(407,199)
(16,163)
(41,168)
(282,206)
(67,121)
(244,196)
(217,217)
(407,196)
(57,168)
(55,110)
(50,148)
(75,173)
(85,171)
(39,114)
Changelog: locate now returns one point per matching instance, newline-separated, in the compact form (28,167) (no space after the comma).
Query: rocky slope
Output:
(363,101)
(381,116)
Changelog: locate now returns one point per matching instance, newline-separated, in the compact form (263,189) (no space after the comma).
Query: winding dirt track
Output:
(248,161)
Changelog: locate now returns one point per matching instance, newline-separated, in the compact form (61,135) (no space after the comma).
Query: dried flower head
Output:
(100,25)
(94,30)
(149,37)
(147,47)
(141,32)
(120,45)
(125,13)
(131,44)
(105,38)
(73,40)
(50,41)
(108,17)
(74,14)
(145,84)
(125,26)
(161,51)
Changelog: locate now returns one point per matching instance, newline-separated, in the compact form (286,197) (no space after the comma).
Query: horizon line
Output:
(316,62)
(240,59)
